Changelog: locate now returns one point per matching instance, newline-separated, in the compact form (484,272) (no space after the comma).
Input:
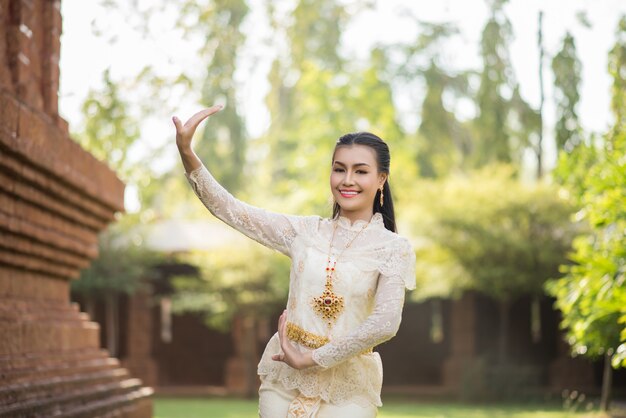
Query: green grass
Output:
(396,408)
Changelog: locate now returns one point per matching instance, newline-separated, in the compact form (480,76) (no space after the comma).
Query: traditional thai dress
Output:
(368,287)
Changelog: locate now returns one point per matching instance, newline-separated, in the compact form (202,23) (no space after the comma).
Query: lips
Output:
(348,193)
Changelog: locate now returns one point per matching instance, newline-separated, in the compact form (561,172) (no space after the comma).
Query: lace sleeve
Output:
(381,325)
(400,262)
(274,230)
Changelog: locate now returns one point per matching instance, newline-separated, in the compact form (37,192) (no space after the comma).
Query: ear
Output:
(382,178)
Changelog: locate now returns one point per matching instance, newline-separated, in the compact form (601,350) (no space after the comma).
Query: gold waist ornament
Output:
(308,339)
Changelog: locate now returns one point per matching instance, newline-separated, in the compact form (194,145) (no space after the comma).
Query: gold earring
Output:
(381,196)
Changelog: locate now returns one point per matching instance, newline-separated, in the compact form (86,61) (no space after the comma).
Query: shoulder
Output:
(306,223)
(399,260)
(398,246)
(390,241)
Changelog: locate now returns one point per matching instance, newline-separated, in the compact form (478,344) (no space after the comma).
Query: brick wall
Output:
(54,199)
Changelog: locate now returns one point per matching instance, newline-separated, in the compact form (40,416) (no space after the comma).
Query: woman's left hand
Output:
(290,354)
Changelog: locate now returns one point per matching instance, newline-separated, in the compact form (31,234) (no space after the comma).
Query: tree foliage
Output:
(316,96)
(492,234)
(121,266)
(247,280)
(442,141)
(111,134)
(508,236)
(567,70)
(592,293)
(223,143)
(505,122)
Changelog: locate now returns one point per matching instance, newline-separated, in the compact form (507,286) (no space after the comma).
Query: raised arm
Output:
(274,230)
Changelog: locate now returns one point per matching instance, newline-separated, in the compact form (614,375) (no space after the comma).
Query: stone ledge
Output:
(37,139)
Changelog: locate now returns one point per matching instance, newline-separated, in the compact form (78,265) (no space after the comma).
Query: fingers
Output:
(192,123)
(279,357)
(282,327)
(195,120)
(177,124)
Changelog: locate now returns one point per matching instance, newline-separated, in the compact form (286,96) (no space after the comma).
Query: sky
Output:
(85,56)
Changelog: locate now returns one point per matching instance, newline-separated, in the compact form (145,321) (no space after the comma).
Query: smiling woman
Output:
(361,169)
(347,281)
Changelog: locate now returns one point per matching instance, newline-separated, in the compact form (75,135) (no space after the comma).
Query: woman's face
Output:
(354,180)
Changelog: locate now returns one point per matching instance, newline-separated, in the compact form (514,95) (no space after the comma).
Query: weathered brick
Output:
(5,283)
(54,198)
(6,81)
(11,341)
(9,113)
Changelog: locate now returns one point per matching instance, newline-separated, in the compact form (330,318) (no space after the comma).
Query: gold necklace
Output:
(329,305)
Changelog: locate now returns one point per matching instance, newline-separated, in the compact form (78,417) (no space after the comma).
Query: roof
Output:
(175,235)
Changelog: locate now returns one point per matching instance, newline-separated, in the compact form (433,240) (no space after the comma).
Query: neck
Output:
(353,216)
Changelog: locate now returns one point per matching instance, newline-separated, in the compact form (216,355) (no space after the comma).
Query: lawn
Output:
(238,408)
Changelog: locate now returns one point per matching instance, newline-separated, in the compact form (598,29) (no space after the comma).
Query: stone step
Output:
(67,358)
(19,393)
(134,404)
(85,401)
(23,375)
(22,310)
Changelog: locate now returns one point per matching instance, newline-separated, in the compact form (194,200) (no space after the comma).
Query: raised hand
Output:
(184,134)
(290,354)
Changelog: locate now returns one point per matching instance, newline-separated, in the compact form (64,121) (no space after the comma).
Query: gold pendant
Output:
(328,305)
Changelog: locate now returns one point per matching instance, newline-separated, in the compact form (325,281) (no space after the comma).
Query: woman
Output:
(347,280)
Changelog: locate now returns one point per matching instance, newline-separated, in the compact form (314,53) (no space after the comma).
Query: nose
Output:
(347,180)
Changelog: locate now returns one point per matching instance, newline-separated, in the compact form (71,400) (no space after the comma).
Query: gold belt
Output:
(308,339)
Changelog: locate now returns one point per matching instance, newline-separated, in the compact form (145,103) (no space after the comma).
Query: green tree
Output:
(310,60)
(567,69)
(111,133)
(592,293)
(316,33)
(617,61)
(505,122)
(315,96)
(507,237)
(442,141)
(223,144)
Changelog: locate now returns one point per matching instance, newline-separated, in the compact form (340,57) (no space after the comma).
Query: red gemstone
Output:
(327,301)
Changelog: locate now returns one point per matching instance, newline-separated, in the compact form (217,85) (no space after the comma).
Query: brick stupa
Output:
(54,200)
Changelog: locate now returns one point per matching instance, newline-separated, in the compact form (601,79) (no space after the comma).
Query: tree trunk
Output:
(607,382)
(541,98)
(111,323)
(503,347)
(249,353)
(535,319)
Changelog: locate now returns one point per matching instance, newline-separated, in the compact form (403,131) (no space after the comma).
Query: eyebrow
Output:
(355,165)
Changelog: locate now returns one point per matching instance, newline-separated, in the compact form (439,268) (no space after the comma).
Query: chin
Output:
(351,208)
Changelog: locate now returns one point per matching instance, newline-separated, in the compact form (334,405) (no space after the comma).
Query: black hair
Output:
(383,158)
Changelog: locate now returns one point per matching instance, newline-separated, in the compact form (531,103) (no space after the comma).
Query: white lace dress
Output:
(371,276)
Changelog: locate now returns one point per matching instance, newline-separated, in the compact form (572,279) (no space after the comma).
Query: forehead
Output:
(354,154)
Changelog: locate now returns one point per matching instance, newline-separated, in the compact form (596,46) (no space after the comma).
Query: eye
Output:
(361,172)
(338,170)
